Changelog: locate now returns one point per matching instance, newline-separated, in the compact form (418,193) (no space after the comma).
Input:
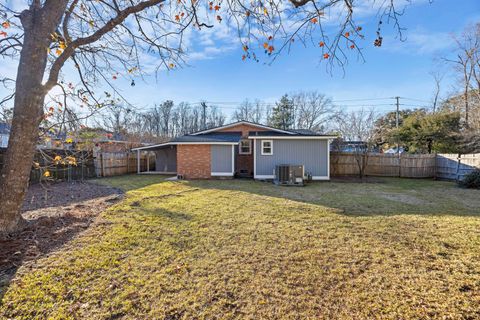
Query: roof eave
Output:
(296,137)
(174,143)
(238,123)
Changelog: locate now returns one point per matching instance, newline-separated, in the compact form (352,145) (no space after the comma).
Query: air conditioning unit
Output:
(289,175)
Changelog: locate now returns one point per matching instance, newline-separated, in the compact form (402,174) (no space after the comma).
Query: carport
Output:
(165,158)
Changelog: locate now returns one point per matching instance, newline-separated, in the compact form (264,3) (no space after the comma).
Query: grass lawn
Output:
(396,249)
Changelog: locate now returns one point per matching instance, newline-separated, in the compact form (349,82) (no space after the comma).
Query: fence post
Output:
(399,164)
(128,160)
(458,166)
(138,161)
(102,165)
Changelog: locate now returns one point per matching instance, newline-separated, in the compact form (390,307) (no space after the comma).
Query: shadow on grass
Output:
(42,236)
(131,181)
(53,220)
(378,196)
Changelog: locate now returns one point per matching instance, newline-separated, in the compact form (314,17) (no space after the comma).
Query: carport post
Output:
(138,161)
(148,161)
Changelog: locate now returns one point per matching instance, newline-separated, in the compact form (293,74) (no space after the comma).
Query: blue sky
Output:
(399,68)
(396,69)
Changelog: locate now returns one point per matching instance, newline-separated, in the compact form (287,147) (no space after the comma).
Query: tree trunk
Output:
(27,115)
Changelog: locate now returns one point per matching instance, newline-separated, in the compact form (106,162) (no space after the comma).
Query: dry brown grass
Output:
(399,249)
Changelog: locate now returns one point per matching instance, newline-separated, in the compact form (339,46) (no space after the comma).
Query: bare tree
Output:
(244,111)
(467,64)
(313,110)
(358,126)
(249,111)
(183,115)
(117,119)
(215,118)
(258,112)
(166,116)
(106,40)
(437,77)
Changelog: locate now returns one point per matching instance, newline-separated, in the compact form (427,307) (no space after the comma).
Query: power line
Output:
(353,100)
(273,103)
(232,105)
(418,100)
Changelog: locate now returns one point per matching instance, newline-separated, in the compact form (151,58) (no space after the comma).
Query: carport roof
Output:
(211,137)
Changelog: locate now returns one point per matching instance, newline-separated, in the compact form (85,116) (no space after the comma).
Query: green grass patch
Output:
(405,249)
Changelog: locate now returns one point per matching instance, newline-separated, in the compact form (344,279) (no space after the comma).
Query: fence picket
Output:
(442,166)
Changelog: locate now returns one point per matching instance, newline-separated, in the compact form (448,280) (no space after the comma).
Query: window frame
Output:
(249,147)
(263,148)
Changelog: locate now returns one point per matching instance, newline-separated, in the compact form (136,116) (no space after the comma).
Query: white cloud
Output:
(420,42)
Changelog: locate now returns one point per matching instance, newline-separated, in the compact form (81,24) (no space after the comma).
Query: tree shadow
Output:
(50,226)
(132,181)
(373,197)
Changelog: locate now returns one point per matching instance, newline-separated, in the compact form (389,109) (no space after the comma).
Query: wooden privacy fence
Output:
(455,166)
(442,166)
(89,164)
(117,163)
(105,164)
(83,170)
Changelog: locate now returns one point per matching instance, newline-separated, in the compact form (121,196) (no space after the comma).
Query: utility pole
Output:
(397,115)
(398,110)
(204,115)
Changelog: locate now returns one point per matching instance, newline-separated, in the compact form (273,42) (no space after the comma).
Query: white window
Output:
(245,146)
(267,147)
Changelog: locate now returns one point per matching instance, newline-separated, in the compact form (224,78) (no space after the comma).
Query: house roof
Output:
(211,137)
(293,133)
(4,128)
(305,132)
(228,138)
(233,124)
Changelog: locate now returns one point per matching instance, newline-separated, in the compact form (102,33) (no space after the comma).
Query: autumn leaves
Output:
(307,26)
(5,25)
(348,36)
(55,161)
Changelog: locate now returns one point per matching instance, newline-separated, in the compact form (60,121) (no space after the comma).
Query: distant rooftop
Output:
(4,128)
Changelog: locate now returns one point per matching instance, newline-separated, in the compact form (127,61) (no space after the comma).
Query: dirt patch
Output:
(404,198)
(56,213)
(350,179)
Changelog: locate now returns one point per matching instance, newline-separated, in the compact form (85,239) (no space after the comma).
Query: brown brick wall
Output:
(243,128)
(193,161)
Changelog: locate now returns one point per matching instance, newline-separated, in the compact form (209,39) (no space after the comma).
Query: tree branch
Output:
(110,25)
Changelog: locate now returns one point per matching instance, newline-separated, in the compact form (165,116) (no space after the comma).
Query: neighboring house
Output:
(242,149)
(340,145)
(395,150)
(348,146)
(4,134)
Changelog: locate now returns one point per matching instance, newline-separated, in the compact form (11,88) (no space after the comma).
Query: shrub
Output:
(471,180)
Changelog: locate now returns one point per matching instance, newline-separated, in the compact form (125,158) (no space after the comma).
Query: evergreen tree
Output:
(423,132)
(283,114)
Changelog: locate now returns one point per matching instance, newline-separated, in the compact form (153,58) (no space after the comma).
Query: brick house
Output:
(241,149)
